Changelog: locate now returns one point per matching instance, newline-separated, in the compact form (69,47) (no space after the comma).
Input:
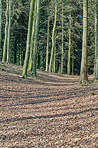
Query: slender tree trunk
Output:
(54,58)
(84,67)
(21,40)
(24,73)
(6,34)
(0,28)
(41,60)
(36,38)
(73,62)
(53,39)
(32,39)
(69,49)
(62,51)
(21,49)
(18,51)
(22,22)
(8,37)
(47,51)
(15,51)
(96,39)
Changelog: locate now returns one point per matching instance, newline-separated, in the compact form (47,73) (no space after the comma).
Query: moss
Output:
(83,84)
(92,93)
(96,80)
(2,65)
(19,79)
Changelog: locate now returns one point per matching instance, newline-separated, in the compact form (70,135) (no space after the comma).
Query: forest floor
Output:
(50,111)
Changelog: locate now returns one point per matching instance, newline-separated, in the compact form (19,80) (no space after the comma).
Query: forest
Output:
(48,73)
(47,35)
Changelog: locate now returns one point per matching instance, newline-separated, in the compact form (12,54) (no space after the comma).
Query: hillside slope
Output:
(51,111)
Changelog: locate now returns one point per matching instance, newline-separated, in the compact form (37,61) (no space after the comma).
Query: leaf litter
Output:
(50,111)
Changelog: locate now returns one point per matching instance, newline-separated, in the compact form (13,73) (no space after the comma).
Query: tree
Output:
(32,37)
(0,27)
(31,12)
(84,67)
(69,47)
(6,48)
(6,34)
(47,50)
(36,37)
(62,48)
(53,38)
(96,39)
(56,44)
(32,40)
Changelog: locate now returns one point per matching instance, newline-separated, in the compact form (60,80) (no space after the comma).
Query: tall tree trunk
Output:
(47,51)
(53,39)
(15,51)
(21,40)
(21,49)
(0,28)
(18,51)
(32,39)
(8,37)
(62,51)
(36,38)
(73,62)
(6,34)
(84,67)
(96,39)
(54,58)
(40,60)
(22,36)
(25,66)
(69,48)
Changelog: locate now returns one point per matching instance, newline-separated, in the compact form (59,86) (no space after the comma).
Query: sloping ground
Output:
(50,111)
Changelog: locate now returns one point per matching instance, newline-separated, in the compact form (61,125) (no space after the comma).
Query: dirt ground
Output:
(50,111)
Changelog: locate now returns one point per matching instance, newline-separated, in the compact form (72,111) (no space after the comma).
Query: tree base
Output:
(84,82)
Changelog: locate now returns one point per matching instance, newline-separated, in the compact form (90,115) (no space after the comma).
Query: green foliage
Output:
(19,28)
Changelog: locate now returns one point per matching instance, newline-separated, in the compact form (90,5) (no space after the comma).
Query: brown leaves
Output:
(49,111)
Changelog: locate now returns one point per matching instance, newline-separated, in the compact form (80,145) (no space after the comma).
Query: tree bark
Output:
(69,48)
(54,58)
(6,34)
(0,28)
(96,39)
(53,39)
(36,38)
(24,73)
(32,39)
(8,37)
(73,61)
(84,67)
(62,50)
(47,51)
